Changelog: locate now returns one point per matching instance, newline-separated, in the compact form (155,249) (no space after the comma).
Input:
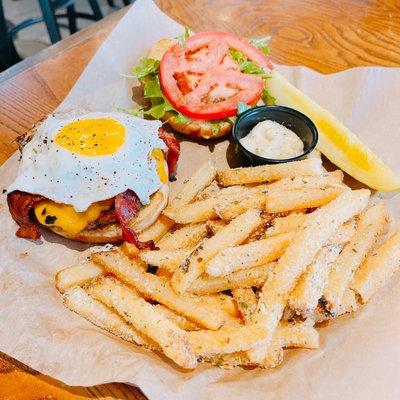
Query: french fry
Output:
(177,319)
(211,190)
(165,259)
(377,269)
(202,178)
(248,255)
(157,230)
(290,223)
(230,209)
(215,225)
(289,334)
(274,353)
(145,317)
(307,182)
(133,273)
(245,278)
(129,249)
(77,300)
(246,301)
(266,173)
(225,340)
(293,222)
(298,334)
(308,290)
(315,233)
(185,237)
(105,282)
(163,273)
(234,233)
(290,200)
(259,233)
(372,224)
(344,234)
(193,213)
(77,275)
(229,360)
(221,301)
(223,304)
(349,304)
(204,210)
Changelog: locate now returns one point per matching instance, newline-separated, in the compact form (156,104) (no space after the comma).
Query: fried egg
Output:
(79,159)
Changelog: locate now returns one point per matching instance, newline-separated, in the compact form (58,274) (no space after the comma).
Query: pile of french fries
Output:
(248,262)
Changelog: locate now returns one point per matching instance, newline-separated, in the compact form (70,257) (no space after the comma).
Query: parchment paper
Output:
(359,354)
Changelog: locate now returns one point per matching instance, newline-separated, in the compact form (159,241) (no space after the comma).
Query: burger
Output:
(197,83)
(92,177)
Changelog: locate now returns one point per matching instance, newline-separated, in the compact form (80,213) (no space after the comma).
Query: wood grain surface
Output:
(327,35)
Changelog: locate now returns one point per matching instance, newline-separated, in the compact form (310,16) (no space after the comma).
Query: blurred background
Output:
(28,26)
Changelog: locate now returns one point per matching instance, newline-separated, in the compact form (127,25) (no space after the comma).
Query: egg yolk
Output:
(91,137)
(158,155)
(64,216)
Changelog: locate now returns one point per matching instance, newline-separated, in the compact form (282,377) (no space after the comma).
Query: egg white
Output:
(65,177)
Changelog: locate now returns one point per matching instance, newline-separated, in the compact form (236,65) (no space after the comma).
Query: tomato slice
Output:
(203,82)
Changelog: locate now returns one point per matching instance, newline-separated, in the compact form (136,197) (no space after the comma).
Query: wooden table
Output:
(327,35)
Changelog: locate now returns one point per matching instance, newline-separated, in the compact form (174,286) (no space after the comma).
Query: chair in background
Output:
(112,4)
(8,54)
(50,16)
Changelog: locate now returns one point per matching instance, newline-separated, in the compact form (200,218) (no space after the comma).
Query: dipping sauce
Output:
(269,139)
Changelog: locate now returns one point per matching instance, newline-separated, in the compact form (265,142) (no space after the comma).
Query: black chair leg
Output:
(97,14)
(8,54)
(50,21)
(72,19)
(112,4)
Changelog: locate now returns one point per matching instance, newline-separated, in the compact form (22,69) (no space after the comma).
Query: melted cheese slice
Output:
(64,216)
(158,156)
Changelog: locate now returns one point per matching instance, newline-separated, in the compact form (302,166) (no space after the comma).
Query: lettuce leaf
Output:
(181,119)
(182,38)
(152,88)
(136,112)
(215,127)
(248,67)
(157,111)
(145,67)
(159,104)
(267,98)
(262,44)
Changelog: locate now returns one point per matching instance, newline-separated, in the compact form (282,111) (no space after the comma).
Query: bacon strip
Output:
(174,149)
(20,205)
(127,205)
